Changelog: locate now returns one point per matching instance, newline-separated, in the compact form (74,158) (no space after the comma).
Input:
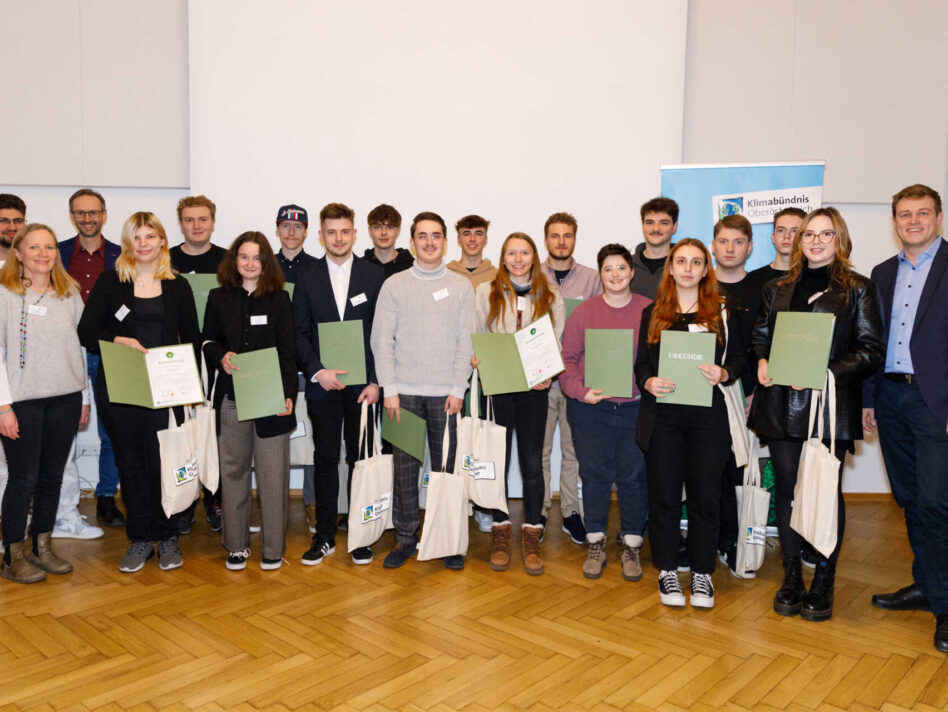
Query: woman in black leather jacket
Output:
(821,279)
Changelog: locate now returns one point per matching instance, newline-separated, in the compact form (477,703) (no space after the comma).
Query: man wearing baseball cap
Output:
(292,222)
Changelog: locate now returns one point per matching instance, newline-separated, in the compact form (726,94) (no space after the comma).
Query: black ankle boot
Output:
(818,603)
(789,598)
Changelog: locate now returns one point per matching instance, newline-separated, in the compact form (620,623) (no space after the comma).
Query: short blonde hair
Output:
(125,264)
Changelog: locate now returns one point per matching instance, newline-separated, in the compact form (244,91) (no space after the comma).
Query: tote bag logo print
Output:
(187,472)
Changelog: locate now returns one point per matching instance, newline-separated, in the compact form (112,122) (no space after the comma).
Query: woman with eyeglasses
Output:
(820,280)
(603,424)
(518,295)
(686,444)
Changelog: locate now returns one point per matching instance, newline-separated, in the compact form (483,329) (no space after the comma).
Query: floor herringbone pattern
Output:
(338,636)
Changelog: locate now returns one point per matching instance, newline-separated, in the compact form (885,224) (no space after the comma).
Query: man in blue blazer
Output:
(336,287)
(86,256)
(908,397)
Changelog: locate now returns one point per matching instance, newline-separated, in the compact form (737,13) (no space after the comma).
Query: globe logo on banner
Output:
(730,206)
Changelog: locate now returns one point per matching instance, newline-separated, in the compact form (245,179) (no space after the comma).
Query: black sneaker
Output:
(107,514)
(270,564)
(237,560)
(669,589)
(542,524)
(362,556)
(573,525)
(185,520)
(318,550)
(455,563)
(343,523)
(399,554)
(702,591)
(728,557)
(213,516)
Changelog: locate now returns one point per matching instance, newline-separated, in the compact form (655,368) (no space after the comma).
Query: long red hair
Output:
(665,312)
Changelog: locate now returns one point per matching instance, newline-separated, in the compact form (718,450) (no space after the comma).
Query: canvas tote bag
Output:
(815,503)
(444,532)
(481,455)
(205,438)
(370,510)
(180,480)
(753,506)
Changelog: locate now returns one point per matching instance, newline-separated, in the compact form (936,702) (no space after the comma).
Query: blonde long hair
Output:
(840,269)
(11,275)
(125,264)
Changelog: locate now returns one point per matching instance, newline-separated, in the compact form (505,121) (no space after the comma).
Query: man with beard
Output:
(472,238)
(659,224)
(292,224)
(12,218)
(574,281)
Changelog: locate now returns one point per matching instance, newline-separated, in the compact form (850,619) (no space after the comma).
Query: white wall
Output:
(857,83)
(95,92)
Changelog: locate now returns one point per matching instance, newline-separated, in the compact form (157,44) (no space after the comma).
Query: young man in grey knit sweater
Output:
(421,341)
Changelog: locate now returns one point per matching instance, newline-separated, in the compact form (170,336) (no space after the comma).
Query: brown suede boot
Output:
(500,552)
(530,549)
(46,559)
(20,570)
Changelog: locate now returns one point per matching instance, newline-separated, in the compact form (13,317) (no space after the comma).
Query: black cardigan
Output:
(100,321)
(646,365)
(227,327)
(857,350)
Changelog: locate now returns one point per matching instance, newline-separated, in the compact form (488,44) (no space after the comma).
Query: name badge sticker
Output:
(36,310)
(122,312)
(440,294)
(258,320)
(521,304)
(358,299)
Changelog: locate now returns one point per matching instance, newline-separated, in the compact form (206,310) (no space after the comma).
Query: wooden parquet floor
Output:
(339,636)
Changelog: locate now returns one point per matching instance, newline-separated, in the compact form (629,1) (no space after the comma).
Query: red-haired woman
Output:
(685,443)
(251,311)
(821,279)
(518,295)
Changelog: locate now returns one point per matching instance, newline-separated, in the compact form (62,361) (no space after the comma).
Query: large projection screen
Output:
(511,110)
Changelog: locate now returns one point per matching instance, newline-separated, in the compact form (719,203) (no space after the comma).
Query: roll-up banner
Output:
(707,192)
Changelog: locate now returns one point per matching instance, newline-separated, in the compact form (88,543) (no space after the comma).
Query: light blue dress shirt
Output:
(908,291)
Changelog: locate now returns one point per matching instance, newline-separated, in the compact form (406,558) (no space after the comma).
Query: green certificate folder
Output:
(258,385)
(571,304)
(408,435)
(342,346)
(500,369)
(800,348)
(201,285)
(680,352)
(126,374)
(610,360)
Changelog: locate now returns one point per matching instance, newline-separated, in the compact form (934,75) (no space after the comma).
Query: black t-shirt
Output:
(653,264)
(205,263)
(149,321)
(560,275)
(764,274)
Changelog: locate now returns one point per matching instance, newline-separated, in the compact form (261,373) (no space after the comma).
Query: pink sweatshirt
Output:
(595,313)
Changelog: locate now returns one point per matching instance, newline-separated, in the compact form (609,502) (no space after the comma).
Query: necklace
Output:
(688,310)
(24,313)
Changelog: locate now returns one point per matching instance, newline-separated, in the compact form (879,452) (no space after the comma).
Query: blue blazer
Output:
(66,247)
(314,303)
(929,343)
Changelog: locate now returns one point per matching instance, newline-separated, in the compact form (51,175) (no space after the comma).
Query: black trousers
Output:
(733,477)
(525,413)
(335,418)
(36,460)
(690,445)
(785,455)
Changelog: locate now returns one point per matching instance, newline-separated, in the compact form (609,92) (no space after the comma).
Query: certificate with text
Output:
(539,351)
(173,375)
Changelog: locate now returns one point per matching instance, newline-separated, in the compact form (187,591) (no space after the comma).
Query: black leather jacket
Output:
(781,413)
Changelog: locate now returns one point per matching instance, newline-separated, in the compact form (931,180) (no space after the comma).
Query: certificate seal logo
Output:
(533,331)
(169,354)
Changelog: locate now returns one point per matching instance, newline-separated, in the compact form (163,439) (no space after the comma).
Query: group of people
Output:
(418,315)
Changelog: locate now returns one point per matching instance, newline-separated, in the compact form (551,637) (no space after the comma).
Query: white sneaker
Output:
(485,521)
(76,527)
(702,591)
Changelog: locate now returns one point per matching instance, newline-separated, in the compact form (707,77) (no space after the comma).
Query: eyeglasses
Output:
(615,269)
(80,214)
(15,221)
(824,236)
(433,237)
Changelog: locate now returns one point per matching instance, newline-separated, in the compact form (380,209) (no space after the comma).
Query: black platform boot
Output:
(818,603)
(789,598)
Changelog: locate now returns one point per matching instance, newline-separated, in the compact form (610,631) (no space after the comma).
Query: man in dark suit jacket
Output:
(908,397)
(337,287)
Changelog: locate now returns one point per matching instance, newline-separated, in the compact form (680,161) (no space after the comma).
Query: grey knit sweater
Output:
(421,333)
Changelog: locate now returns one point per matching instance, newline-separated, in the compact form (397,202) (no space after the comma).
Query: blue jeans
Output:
(108,470)
(604,438)
(915,450)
